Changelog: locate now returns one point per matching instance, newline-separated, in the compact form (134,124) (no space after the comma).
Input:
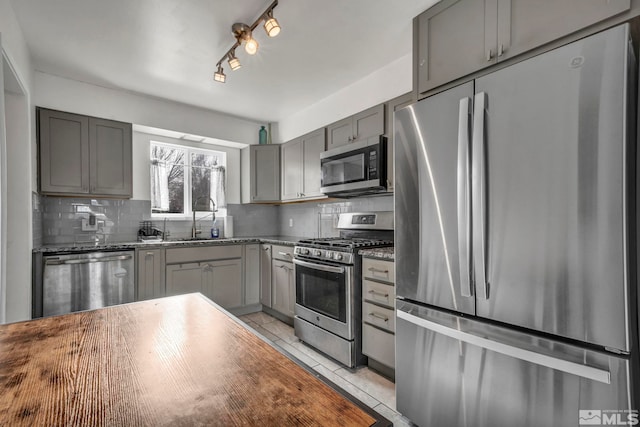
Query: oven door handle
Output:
(322,267)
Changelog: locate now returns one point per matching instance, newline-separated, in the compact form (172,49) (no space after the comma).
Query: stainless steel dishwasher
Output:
(84,281)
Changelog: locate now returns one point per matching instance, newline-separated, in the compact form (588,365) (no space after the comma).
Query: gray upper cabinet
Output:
(365,124)
(301,166)
(261,173)
(455,38)
(292,169)
(63,152)
(110,157)
(392,106)
(83,156)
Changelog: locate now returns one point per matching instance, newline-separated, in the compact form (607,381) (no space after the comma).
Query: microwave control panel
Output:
(373,164)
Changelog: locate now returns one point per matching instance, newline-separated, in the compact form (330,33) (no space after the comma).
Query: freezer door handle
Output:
(478,191)
(464,205)
(584,371)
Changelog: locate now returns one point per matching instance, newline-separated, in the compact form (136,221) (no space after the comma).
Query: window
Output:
(182,176)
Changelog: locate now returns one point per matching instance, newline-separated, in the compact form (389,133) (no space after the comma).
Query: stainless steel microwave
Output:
(356,169)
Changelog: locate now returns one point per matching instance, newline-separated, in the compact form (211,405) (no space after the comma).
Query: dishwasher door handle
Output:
(87,260)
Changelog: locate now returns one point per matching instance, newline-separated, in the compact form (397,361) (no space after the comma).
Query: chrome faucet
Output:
(194,231)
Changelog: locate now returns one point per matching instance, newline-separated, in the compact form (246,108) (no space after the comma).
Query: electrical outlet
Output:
(290,222)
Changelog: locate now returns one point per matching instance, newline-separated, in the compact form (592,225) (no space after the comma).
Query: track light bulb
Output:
(271,26)
(234,62)
(251,46)
(219,76)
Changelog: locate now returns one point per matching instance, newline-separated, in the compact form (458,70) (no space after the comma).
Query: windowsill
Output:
(199,216)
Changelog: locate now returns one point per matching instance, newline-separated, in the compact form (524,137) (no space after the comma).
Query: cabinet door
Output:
(525,24)
(452,39)
(110,157)
(282,278)
(369,122)
(313,145)
(150,274)
(64,152)
(184,278)
(340,133)
(265,275)
(291,153)
(392,106)
(222,282)
(265,173)
(252,274)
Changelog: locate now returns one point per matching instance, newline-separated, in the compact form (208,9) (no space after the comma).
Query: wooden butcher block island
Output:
(172,361)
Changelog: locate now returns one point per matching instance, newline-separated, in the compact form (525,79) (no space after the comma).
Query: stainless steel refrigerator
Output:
(516,244)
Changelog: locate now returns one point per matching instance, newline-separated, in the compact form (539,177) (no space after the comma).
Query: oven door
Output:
(324,296)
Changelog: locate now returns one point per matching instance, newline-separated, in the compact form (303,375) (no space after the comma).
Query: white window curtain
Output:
(218,186)
(159,186)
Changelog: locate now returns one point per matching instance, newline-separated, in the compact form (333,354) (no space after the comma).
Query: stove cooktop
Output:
(342,243)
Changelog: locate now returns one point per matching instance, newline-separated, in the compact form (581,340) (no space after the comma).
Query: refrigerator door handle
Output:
(584,371)
(464,204)
(478,191)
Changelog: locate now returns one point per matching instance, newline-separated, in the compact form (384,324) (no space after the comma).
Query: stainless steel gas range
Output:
(328,310)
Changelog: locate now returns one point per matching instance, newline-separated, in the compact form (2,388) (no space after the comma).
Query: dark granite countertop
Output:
(380,253)
(118,246)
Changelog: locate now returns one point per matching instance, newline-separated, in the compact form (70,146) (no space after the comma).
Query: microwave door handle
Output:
(479,194)
(464,206)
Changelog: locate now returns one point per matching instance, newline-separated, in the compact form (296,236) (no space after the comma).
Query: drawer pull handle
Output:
(379,316)
(378,293)
(375,270)
(284,254)
(149,254)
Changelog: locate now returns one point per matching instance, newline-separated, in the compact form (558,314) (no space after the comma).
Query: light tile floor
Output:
(364,384)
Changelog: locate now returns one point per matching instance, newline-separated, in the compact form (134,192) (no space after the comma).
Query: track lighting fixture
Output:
(234,62)
(244,35)
(219,76)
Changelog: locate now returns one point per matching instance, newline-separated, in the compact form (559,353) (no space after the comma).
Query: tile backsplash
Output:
(58,220)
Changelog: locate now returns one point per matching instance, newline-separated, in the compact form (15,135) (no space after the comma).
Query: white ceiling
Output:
(169,48)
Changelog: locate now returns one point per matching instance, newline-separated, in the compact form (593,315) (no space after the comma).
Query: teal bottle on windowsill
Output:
(262,135)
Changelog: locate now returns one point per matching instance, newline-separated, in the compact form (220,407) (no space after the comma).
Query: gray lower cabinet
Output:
(252,274)
(216,271)
(83,156)
(455,38)
(283,291)
(150,273)
(365,124)
(261,173)
(378,313)
(265,274)
(301,173)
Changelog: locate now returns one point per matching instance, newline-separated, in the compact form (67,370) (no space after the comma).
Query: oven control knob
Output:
(338,257)
(304,251)
(317,252)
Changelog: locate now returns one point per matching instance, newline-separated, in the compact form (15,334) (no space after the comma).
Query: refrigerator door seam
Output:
(581,370)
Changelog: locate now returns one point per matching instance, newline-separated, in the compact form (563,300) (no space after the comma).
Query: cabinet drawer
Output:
(202,253)
(378,270)
(379,293)
(379,316)
(379,345)
(284,253)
